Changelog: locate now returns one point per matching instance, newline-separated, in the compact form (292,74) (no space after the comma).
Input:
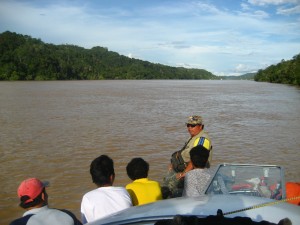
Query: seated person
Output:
(196,179)
(34,199)
(180,160)
(105,199)
(142,190)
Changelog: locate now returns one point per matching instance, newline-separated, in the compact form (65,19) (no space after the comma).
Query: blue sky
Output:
(225,37)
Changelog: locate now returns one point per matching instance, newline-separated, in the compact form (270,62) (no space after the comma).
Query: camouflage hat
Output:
(195,120)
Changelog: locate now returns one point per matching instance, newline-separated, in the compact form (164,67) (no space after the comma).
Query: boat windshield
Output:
(243,179)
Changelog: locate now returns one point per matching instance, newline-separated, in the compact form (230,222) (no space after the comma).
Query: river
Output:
(53,130)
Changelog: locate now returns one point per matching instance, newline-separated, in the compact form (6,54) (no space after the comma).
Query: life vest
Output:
(293,190)
(203,141)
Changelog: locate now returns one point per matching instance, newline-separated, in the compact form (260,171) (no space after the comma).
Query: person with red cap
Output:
(34,198)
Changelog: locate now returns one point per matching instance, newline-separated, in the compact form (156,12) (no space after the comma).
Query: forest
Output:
(25,58)
(285,72)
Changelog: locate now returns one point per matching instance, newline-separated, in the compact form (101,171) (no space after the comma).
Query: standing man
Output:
(198,136)
(34,198)
(106,199)
(181,162)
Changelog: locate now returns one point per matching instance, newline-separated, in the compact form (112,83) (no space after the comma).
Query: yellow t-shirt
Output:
(143,191)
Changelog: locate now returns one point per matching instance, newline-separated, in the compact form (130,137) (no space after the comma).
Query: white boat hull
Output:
(207,205)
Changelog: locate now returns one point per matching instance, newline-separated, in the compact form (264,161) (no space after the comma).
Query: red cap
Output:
(31,187)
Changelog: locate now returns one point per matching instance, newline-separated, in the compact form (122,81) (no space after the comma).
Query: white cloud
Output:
(207,8)
(289,11)
(272,2)
(241,68)
(259,14)
(130,55)
(245,6)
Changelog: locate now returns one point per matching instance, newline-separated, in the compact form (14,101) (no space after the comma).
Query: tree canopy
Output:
(285,72)
(25,58)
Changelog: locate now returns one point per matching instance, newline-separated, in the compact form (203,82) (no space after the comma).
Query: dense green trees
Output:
(285,72)
(26,58)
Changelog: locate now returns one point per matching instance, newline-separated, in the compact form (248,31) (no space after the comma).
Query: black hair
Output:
(199,156)
(137,168)
(101,169)
(38,200)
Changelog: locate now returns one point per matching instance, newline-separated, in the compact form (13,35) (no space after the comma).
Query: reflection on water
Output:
(53,130)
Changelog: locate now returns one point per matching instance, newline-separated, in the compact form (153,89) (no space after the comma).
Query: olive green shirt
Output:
(194,142)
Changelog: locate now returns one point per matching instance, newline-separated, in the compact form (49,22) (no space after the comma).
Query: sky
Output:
(224,37)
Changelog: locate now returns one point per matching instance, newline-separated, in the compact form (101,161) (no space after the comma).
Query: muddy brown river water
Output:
(53,130)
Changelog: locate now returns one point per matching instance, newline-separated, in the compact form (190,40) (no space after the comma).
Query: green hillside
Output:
(247,76)
(285,72)
(25,58)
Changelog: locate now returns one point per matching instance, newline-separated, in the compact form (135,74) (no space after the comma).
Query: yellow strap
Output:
(263,205)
